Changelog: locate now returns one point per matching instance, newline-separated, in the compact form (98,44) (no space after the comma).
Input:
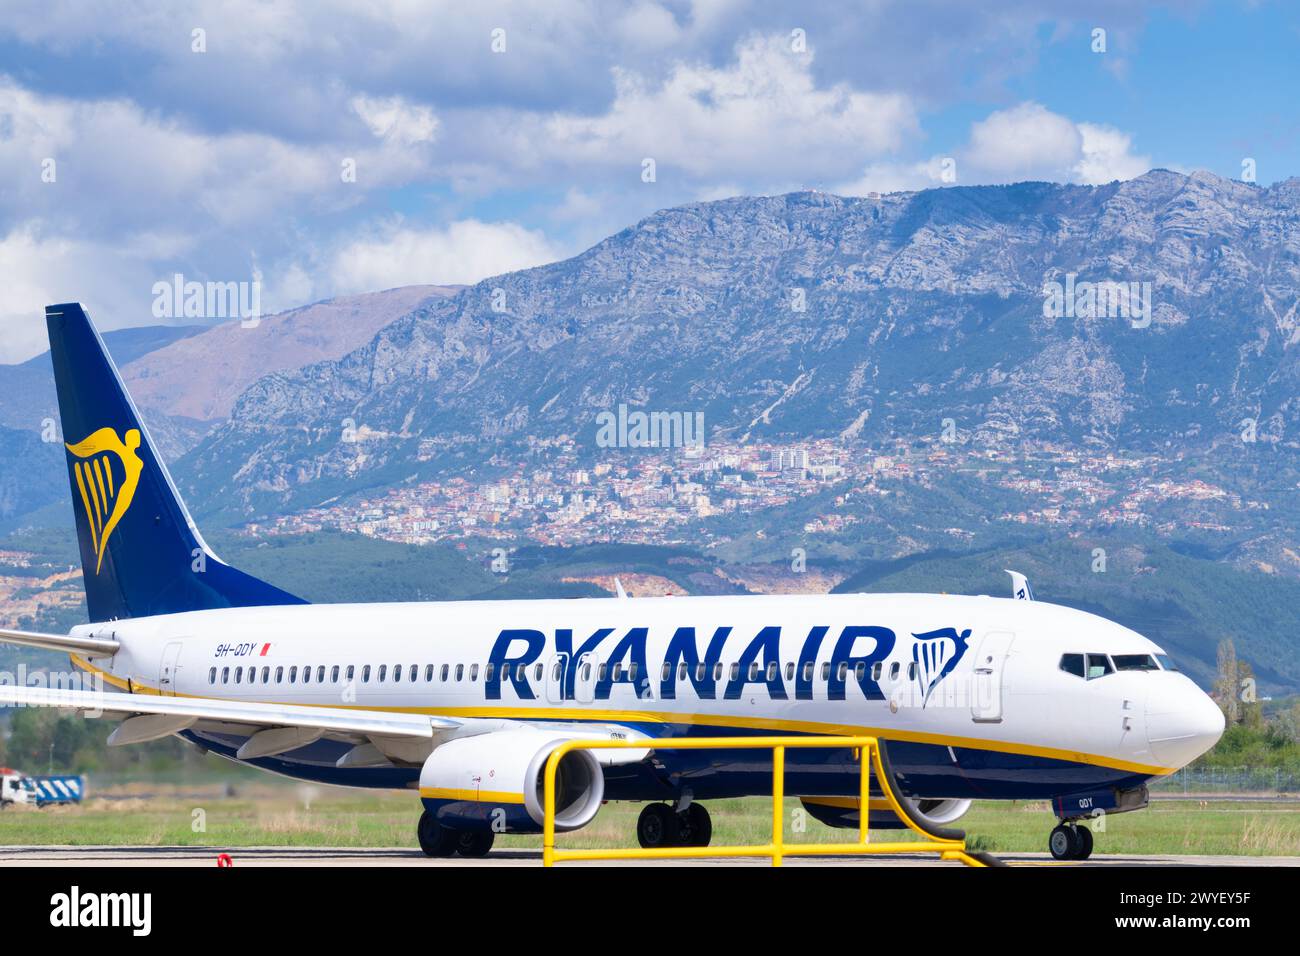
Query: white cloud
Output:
(1023,142)
(761,117)
(462,252)
(1027,141)
(1106,156)
(394,118)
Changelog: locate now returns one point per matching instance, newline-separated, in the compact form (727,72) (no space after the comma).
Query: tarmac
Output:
(119,856)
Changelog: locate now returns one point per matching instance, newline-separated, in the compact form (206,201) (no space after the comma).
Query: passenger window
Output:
(225,675)
(604,669)
(460,673)
(537,672)
(789,671)
(473,672)
(894,668)
(1099,666)
(1072,664)
(488,671)
(397,673)
(631,672)
(413,674)
(320,674)
(383,672)
(279,675)
(586,671)
(860,671)
(842,671)
(808,672)
(826,670)
(618,672)
(735,671)
(753,670)
(266,675)
(306,674)
(239,674)
(700,670)
(911,671)
(350,672)
(334,674)
(365,674)
(666,671)
(252,675)
(428,674)
(555,671)
(446,669)
(876,668)
(293,674)
(717,671)
(773,670)
(212,676)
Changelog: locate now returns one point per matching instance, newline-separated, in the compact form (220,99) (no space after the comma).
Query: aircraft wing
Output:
(149,717)
(86,646)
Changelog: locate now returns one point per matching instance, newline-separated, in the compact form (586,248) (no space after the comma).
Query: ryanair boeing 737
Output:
(462,702)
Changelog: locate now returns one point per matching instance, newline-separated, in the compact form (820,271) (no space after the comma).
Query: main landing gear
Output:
(660,825)
(1069,841)
(438,840)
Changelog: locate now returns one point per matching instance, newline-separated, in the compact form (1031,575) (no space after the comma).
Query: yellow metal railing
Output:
(868,756)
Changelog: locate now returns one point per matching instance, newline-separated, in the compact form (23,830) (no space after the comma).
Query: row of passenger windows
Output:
(447,672)
(1091,666)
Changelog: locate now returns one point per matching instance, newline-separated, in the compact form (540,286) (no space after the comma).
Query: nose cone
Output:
(1182,723)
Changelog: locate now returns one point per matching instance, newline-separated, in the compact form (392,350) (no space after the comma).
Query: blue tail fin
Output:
(140,551)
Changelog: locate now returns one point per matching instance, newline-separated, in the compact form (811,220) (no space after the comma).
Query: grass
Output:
(271,814)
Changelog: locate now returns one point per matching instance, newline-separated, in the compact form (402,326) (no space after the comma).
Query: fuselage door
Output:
(556,671)
(987,679)
(168,669)
(584,679)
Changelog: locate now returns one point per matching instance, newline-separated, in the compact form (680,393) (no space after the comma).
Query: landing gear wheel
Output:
(435,839)
(1084,835)
(474,843)
(657,826)
(694,826)
(1063,842)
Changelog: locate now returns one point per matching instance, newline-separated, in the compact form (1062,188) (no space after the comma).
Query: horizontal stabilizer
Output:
(85,646)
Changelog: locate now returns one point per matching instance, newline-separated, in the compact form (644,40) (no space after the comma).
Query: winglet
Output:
(618,588)
(1020,589)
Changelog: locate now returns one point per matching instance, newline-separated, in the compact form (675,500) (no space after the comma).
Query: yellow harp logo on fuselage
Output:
(107,471)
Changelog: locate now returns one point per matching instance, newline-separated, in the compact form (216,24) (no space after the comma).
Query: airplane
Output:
(461,702)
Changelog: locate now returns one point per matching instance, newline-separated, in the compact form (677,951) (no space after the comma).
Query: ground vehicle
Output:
(40,791)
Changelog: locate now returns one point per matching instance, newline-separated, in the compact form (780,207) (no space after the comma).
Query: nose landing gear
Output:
(1069,841)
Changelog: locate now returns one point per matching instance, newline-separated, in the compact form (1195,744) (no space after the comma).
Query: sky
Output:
(327,148)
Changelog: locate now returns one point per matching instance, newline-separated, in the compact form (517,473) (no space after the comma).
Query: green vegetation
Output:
(286,814)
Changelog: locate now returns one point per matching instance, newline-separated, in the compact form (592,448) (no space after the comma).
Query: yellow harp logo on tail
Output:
(107,471)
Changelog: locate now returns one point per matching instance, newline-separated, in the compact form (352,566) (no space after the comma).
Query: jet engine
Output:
(495,782)
(843,811)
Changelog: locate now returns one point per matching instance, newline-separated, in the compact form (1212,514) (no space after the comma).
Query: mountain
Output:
(811,314)
(184,378)
(200,377)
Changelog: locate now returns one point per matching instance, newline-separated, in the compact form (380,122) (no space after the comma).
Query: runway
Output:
(118,856)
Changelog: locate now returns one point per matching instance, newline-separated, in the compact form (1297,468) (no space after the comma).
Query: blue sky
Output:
(226,163)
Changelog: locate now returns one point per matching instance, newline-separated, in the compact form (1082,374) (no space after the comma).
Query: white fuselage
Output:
(979,673)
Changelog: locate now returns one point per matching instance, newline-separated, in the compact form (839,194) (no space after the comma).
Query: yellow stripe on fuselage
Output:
(704,720)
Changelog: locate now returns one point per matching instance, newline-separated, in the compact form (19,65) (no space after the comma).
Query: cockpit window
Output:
(1166,662)
(1099,666)
(1134,662)
(1072,664)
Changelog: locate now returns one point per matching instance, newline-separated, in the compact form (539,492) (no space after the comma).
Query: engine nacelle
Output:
(843,811)
(495,782)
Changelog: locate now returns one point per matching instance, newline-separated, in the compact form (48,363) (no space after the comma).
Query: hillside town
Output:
(673,495)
